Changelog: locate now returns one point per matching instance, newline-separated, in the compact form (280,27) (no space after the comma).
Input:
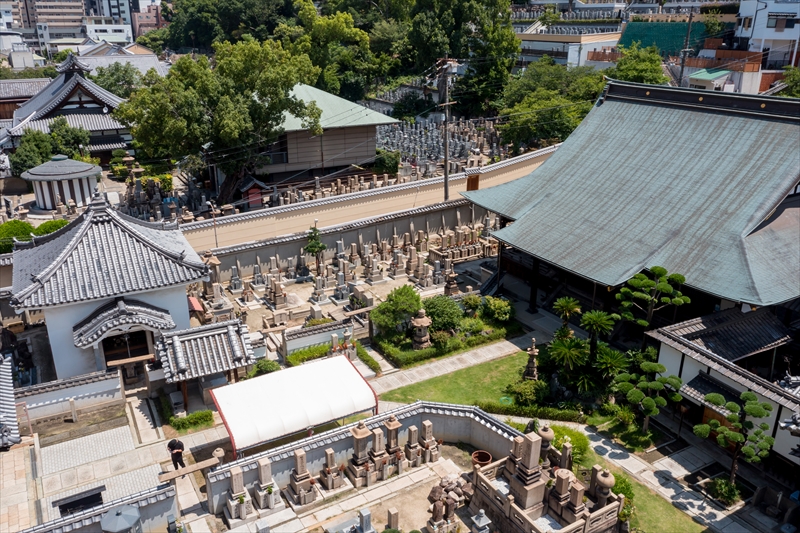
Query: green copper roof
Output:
(708,75)
(336,112)
(695,181)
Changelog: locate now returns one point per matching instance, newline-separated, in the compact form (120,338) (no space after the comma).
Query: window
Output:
(747,22)
(771,22)
(790,23)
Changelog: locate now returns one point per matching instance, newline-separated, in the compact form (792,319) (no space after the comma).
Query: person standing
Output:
(175,448)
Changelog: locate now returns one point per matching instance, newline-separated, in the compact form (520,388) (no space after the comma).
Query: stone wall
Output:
(90,391)
(452,423)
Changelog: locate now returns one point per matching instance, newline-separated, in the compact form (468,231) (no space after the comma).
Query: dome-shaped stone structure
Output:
(65,179)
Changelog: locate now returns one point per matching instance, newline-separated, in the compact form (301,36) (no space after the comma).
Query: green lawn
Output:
(484,382)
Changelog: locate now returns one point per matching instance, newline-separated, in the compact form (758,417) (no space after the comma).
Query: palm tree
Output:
(611,362)
(596,323)
(568,353)
(566,307)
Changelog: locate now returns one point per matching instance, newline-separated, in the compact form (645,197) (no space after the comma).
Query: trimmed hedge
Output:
(307,354)
(401,358)
(533,411)
(579,441)
(198,418)
(367,359)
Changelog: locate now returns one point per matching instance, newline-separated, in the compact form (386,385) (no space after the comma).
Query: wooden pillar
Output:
(185,391)
(534,296)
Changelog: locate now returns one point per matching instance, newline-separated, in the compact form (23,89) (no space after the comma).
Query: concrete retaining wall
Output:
(91,391)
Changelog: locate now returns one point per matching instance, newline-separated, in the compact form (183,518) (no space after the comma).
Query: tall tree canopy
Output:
(640,65)
(37,147)
(118,78)
(237,107)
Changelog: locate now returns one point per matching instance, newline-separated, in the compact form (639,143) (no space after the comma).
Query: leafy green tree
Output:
(264,366)
(597,323)
(49,227)
(567,307)
(28,73)
(155,40)
(569,353)
(428,37)
(645,390)
(195,23)
(712,21)
(528,391)
(12,229)
(62,55)
(497,309)
(577,84)
(315,247)
(118,78)
(35,147)
(408,106)
(649,294)
(542,118)
(257,18)
(386,162)
(237,107)
(550,16)
(67,140)
(640,65)
(746,437)
(444,312)
(388,37)
(401,304)
(610,362)
(792,81)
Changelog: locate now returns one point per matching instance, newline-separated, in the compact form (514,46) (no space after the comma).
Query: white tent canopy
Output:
(282,403)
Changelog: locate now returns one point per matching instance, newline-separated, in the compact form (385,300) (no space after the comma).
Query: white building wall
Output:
(70,360)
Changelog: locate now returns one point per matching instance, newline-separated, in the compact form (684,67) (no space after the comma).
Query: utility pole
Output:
(446,129)
(685,50)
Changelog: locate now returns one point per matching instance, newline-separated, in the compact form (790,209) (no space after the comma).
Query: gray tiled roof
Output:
(710,203)
(210,349)
(107,147)
(22,88)
(733,335)
(142,62)
(9,426)
(101,254)
(119,313)
(61,167)
(89,121)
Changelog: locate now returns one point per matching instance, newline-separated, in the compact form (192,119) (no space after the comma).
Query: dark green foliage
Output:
(440,339)
(367,359)
(528,392)
(317,322)
(579,441)
(610,362)
(196,419)
(28,73)
(724,491)
(307,354)
(444,312)
(118,78)
(473,326)
(164,406)
(650,293)
(567,307)
(410,105)
(472,302)
(155,40)
(597,323)
(625,415)
(386,162)
(314,245)
(13,229)
(35,148)
(569,354)
(609,409)
(532,411)
(747,438)
(497,309)
(638,64)
(66,139)
(49,227)
(400,305)
(623,486)
(649,390)
(792,80)
(263,366)
(61,56)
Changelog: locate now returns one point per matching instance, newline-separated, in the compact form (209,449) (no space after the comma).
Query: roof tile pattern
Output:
(22,88)
(9,426)
(205,350)
(119,313)
(101,254)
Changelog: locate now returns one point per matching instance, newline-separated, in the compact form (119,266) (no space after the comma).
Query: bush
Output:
(440,339)
(386,162)
(528,391)
(367,359)
(724,491)
(444,312)
(13,228)
(472,302)
(264,366)
(473,326)
(317,322)
(626,415)
(623,485)
(532,411)
(400,305)
(498,309)
(579,441)
(120,171)
(198,418)
(307,354)
(49,227)
(398,350)
(609,409)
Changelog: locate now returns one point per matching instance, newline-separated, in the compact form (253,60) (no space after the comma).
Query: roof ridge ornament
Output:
(73,64)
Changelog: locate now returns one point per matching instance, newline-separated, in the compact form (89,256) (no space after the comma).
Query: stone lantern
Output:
(547,435)
(605,482)
(531,370)
(421,323)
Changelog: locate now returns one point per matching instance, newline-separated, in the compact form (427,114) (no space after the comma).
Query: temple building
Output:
(719,205)
(107,285)
(80,101)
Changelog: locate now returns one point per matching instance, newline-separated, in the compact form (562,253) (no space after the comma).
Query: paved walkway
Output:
(450,364)
(17,492)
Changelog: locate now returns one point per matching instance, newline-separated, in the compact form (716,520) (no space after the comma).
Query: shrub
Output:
(471,302)
(609,409)
(623,485)
(400,305)
(367,359)
(307,354)
(440,339)
(317,322)
(444,312)
(120,171)
(724,491)
(498,309)
(579,441)
(626,415)
(264,366)
(13,228)
(473,326)
(397,348)
(528,391)
(532,411)
(117,155)
(165,181)
(49,227)
(164,406)
(386,162)
(198,418)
